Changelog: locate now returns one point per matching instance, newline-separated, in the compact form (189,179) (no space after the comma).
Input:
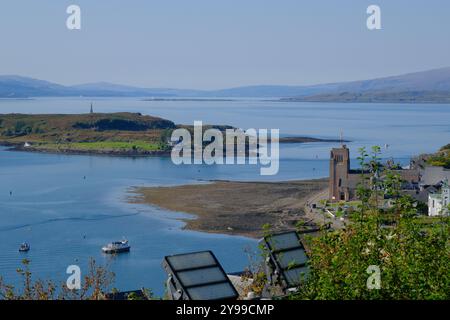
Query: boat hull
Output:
(117,250)
(24,248)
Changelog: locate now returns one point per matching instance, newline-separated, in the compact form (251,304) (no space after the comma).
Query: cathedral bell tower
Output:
(339,171)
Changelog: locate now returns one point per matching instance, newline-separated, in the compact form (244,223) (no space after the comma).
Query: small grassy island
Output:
(121,133)
(108,133)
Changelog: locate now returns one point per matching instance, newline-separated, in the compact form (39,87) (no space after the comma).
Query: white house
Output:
(438,202)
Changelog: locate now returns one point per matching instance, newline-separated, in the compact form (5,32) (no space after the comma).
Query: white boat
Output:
(24,247)
(116,247)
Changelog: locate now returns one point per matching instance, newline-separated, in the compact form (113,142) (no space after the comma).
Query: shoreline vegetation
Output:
(121,134)
(236,208)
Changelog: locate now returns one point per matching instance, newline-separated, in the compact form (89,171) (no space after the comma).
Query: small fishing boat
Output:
(24,247)
(116,247)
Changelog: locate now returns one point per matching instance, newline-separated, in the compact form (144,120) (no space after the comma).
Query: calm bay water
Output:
(67,218)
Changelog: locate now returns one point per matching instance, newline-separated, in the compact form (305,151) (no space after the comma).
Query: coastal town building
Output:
(427,184)
(344,181)
(438,202)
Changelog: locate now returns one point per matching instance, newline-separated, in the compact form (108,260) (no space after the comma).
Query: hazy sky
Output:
(221,43)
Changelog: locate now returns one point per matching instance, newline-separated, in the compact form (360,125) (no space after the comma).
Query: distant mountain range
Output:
(427,86)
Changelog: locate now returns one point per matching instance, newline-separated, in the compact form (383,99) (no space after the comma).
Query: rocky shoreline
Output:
(236,208)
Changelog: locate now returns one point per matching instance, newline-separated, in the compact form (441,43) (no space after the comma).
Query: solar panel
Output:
(191,260)
(283,241)
(287,256)
(218,291)
(198,276)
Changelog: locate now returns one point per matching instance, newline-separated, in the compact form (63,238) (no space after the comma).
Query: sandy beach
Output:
(236,208)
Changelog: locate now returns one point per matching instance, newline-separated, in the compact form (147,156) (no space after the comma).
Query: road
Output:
(316,215)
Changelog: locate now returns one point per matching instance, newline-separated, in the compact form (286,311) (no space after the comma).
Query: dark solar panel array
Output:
(289,256)
(199,276)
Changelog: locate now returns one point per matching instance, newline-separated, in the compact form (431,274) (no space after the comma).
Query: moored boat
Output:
(117,247)
(24,247)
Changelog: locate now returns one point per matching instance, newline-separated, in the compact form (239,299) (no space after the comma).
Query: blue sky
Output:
(209,44)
